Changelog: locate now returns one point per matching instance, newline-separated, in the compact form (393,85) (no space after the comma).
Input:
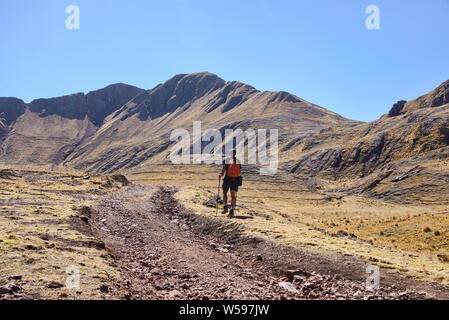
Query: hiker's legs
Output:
(233,199)
(233,203)
(226,186)
(225,198)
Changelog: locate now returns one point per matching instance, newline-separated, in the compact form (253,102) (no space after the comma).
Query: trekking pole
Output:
(218,196)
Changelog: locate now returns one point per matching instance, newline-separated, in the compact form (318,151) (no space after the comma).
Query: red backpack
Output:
(233,169)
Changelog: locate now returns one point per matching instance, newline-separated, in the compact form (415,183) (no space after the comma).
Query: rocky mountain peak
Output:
(97,105)
(10,110)
(397,108)
(176,92)
(436,98)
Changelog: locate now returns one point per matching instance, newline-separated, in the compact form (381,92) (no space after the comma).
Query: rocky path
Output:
(162,259)
(164,254)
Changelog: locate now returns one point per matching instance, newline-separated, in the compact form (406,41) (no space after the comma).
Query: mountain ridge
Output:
(217,103)
(122,127)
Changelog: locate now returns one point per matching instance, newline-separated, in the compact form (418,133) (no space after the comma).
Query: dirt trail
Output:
(166,252)
(162,259)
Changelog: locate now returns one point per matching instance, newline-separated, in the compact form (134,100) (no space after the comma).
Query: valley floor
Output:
(151,240)
(167,252)
(411,239)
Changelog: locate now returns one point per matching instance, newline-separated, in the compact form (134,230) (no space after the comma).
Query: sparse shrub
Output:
(427,229)
(437,233)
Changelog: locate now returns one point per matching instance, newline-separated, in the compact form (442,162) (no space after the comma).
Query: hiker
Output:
(231,172)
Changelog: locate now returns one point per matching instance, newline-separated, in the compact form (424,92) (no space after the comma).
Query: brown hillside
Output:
(122,127)
(138,134)
(44,132)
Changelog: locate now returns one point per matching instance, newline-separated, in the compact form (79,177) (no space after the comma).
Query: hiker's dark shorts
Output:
(230,183)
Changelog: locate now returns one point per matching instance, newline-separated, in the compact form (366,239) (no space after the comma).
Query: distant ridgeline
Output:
(122,127)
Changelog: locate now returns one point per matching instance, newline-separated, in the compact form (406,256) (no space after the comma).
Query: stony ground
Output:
(166,253)
(408,239)
(45,236)
(140,242)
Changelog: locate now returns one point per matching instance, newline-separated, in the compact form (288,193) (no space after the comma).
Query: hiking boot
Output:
(231,214)
(225,209)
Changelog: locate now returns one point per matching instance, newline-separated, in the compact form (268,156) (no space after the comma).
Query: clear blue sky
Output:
(319,50)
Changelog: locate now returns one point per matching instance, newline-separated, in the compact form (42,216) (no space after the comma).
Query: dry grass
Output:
(38,241)
(282,209)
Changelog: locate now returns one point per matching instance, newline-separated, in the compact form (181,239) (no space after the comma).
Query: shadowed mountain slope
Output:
(121,126)
(385,156)
(44,132)
(139,133)
(10,110)
(436,98)
(96,105)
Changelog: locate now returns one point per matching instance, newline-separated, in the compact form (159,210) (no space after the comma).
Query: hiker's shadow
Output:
(243,217)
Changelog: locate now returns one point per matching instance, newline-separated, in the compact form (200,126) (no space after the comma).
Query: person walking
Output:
(232,180)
